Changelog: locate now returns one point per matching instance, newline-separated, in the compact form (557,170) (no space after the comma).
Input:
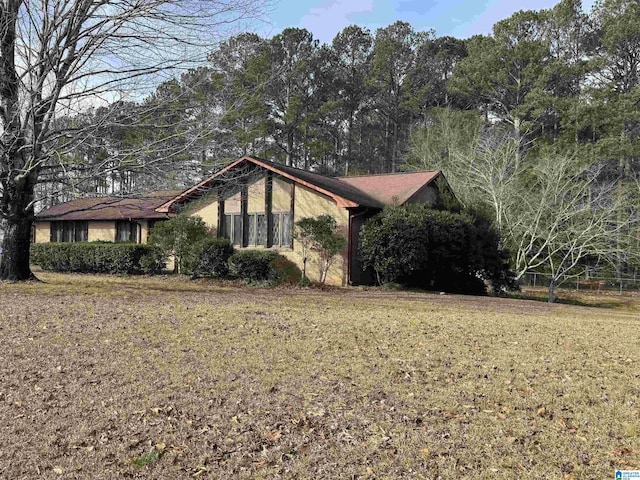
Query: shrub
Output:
(253,265)
(117,258)
(442,250)
(321,235)
(179,237)
(286,271)
(211,258)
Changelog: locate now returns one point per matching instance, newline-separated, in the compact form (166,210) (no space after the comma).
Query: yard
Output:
(108,377)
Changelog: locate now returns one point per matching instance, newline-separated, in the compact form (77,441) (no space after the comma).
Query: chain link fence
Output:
(583,282)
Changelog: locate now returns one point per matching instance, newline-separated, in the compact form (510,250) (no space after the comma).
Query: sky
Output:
(457,18)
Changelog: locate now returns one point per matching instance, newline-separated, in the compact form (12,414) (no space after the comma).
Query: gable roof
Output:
(110,208)
(373,191)
(393,188)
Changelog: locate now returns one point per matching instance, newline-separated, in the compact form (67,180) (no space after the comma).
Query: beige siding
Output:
(309,203)
(232,204)
(255,196)
(281,195)
(428,195)
(43,232)
(144,231)
(208,211)
(104,231)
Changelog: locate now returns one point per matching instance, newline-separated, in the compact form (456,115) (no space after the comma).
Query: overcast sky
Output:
(458,18)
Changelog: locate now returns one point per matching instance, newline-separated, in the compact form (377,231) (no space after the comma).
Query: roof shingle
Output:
(111,208)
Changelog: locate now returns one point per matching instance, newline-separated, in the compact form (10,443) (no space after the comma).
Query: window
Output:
(69,231)
(281,229)
(286,230)
(257,231)
(126,231)
(233,228)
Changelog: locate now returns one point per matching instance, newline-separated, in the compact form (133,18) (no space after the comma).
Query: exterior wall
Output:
(281,195)
(428,195)
(144,231)
(309,203)
(104,231)
(43,232)
(207,209)
(255,197)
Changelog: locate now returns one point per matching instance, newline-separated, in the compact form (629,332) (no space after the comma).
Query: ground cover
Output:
(109,377)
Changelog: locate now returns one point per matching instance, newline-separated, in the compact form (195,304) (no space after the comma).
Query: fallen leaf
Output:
(275,435)
(161,447)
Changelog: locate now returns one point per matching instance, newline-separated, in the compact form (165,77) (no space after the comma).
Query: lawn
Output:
(108,377)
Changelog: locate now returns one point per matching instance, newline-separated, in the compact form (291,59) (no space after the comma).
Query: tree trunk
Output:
(17,201)
(552,291)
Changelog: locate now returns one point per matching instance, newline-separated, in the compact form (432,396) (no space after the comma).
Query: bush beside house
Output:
(440,250)
(99,257)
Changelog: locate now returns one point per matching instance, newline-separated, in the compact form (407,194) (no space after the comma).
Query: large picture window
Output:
(126,231)
(280,234)
(69,231)
(233,228)
(281,229)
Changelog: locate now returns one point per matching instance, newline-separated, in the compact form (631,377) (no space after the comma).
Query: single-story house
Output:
(255,203)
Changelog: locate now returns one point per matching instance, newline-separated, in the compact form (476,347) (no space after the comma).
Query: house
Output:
(255,203)
(107,219)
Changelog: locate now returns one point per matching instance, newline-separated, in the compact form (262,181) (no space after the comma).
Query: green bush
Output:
(254,265)
(286,271)
(441,250)
(211,258)
(116,258)
(180,236)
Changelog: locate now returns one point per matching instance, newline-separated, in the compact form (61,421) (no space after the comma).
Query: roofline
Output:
(340,201)
(343,177)
(425,185)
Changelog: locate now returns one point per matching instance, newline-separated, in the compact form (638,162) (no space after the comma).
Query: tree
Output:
(505,70)
(180,236)
(565,218)
(62,56)
(319,234)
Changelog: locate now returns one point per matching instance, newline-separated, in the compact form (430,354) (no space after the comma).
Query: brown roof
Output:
(343,193)
(111,208)
(392,188)
(368,190)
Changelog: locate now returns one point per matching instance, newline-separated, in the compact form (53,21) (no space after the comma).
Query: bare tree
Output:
(565,217)
(62,56)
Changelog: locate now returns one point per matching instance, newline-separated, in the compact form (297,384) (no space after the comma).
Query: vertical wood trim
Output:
(292,212)
(221,225)
(244,204)
(268,206)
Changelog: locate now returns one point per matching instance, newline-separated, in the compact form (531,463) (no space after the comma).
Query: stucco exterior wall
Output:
(104,231)
(207,209)
(427,195)
(255,196)
(43,232)
(281,195)
(309,203)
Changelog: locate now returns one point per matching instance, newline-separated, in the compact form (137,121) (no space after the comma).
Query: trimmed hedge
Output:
(254,265)
(99,257)
(211,258)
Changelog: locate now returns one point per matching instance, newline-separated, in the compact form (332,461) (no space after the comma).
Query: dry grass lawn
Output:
(107,377)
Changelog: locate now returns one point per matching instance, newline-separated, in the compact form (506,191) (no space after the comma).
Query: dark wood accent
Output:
(244,205)
(268,206)
(292,211)
(221,232)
